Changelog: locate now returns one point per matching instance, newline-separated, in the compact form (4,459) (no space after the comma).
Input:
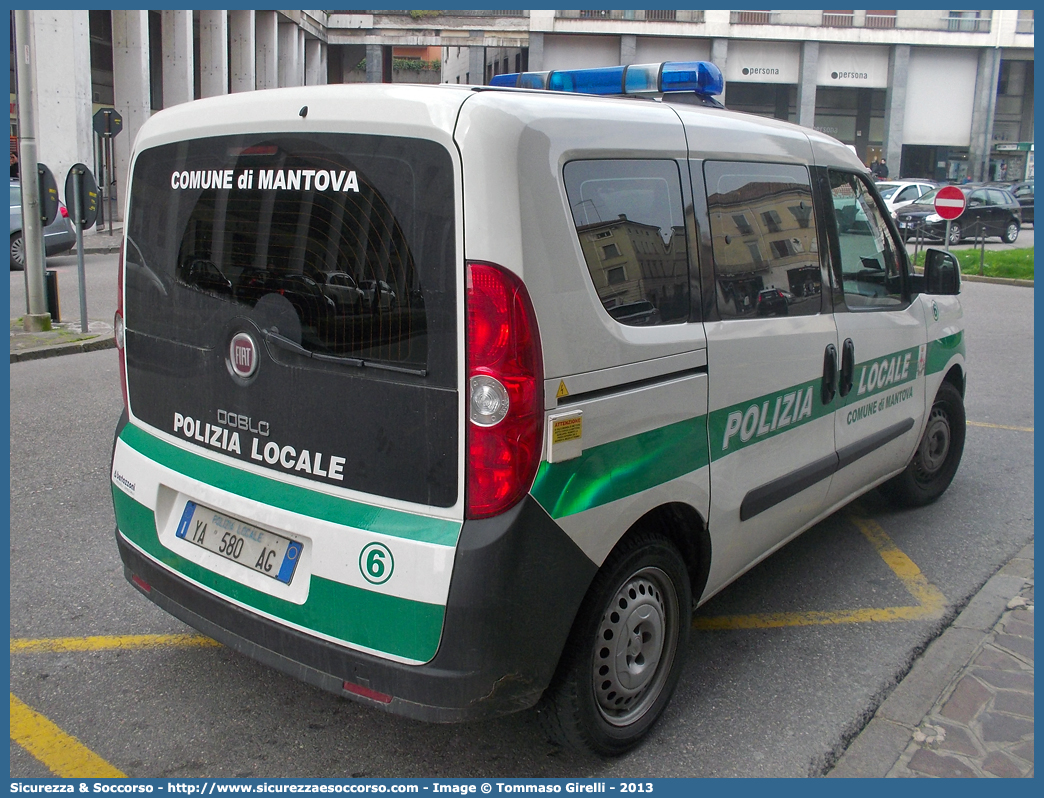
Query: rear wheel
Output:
(938,455)
(622,661)
(17,252)
(955,234)
(1011,233)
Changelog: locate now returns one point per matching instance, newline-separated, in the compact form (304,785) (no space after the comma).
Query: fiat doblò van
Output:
(454,400)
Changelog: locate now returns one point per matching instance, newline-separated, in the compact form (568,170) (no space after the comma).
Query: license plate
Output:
(253,548)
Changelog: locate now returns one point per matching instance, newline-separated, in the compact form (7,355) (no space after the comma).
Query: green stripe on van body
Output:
(394,523)
(612,471)
(941,350)
(396,626)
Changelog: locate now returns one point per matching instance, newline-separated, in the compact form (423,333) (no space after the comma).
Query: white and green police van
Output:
(454,400)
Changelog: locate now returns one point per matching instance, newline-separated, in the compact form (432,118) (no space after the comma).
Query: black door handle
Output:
(829,373)
(847,367)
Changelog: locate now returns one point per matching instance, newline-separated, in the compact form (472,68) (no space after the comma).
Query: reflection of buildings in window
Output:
(780,252)
(642,266)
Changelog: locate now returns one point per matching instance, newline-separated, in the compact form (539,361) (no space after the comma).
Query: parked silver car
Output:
(59,235)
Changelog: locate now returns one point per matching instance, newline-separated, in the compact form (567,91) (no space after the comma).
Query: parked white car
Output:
(897,193)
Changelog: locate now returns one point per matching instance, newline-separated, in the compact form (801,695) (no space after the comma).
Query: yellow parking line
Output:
(61,753)
(106,643)
(931,601)
(998,426)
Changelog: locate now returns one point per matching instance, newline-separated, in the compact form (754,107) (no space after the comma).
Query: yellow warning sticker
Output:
(568,429)
(562,390)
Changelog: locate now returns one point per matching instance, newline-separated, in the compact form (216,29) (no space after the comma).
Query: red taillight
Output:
(120,332)
(505,390)
(63,211)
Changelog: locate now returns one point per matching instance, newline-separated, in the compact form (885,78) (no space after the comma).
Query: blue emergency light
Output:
(701,77)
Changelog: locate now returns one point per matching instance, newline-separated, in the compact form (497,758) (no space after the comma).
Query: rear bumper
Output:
(517,583)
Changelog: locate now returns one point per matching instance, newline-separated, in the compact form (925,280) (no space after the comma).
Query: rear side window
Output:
(763,229)
(628,217)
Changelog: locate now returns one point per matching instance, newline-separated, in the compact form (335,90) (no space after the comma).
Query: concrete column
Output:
(213,53)
(241,62)
(130,77)
(177,58)
(477,64)
(895,107)
(64,135)
(300,78)
(374,63)
(266,33)
(315,62)
(536,52)
(288,55)
(628,48)
(719,56)
(806,98)
(983,110)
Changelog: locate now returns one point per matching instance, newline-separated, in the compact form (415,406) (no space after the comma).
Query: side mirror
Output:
(942,273)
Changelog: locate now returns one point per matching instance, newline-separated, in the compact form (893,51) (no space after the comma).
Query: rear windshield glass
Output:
(340,248)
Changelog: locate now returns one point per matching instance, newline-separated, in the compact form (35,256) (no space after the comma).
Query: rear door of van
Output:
(263,401)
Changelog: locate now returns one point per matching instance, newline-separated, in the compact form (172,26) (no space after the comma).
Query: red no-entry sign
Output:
(949,202)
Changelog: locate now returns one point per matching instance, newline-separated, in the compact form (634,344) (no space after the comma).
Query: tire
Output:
(17,252)
(955,234)
(938,454)
(623,657)
(1011,233)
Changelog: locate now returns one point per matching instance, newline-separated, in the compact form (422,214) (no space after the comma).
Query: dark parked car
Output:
(990,210)
(1024,194)
(59,235)
(773,302)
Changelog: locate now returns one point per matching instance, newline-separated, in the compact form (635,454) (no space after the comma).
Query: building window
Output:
(610,251)
(616,275)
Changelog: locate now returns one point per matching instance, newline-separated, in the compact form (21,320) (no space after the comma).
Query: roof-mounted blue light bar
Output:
(701,77)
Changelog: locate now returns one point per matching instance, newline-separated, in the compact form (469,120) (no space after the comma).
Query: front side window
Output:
(629,219)
(869,261)
(766,260)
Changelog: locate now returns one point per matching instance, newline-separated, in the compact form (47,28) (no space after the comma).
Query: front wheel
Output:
(955,234)
(938,454)
(1011,233)
(622,660)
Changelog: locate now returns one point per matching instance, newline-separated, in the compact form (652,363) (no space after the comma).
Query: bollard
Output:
(982,250)
(51,279)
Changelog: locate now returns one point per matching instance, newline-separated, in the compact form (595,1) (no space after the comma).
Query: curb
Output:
(881,743)
(975,278)
(39,352)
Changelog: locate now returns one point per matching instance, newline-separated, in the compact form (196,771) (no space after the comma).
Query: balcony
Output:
(838,19)
(967,22)
(880,19)
(653,15)
(753,17)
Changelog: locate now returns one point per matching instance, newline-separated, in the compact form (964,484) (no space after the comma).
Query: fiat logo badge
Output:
(243,355)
